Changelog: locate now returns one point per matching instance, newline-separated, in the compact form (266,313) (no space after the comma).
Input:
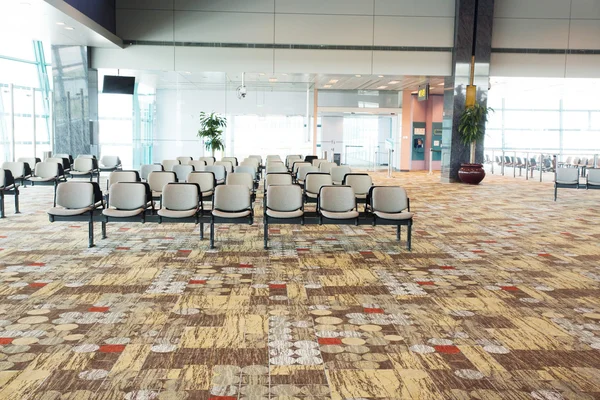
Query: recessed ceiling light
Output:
(284,74)
(334,81)
(69,28)
(441,84)
(393,82)
(413,92)
(272,79)
(358,76)
(381,76)
(326,86)
(262,74)
(187,72)
(382,87)
(60,23)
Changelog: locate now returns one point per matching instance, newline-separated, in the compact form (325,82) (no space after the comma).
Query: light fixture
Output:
(382,87)
(441,84)
(415,92)
(326,86)
(60,23)
(334,81)
(272,80)
(380,76)
(69,28)
(393,82)
(187,72)
(284,74)
(262,74)
(358,76)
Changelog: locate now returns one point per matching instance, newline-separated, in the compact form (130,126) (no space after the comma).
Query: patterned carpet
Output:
(499,299)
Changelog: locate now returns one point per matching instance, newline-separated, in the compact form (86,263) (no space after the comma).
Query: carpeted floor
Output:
(499,299)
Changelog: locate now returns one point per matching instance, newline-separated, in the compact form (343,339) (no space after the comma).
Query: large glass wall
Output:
(25,91)
(544,116)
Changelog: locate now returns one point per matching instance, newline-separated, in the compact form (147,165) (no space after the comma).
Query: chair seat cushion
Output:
(340,215)
(312,195)
(394,216)
(81,172)
(301,181)
(9,187)
(38,179)
(361,196)
(337,182)
(113,212)
(156,194)
(68,212)
(176,214)
(224,214)
(208,193)
(567,182)
(285,214)
(220,181)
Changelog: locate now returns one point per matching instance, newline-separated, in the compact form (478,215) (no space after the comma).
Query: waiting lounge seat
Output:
(207,160)
(20,170)
(207,182)
(361,183)
(128,202)
(169,164)
(227,164)
(197,164)
(274,167)
(147,168)
(566,178)
(232,205)
(303,171)
(219,171)
(77,201)
(339,173)
(593,179)
(181,203)
(326,167)
(291,159)
(110,163)
(8,187)
(157,181)
(312,185)
(184,160)
(283,205)
(182,172)
(317,162)
(232,160)
(84,167)
(118,176)
(387,205)
(48,173)
(242,178)
(337,204)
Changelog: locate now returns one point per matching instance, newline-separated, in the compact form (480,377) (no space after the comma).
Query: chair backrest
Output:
(337,198)
(207,160)
(310,158)
(232,160)
(218,171)
(110,161)
(273,157)
(251,161)
(305,169)
(75,195)
(184,160)
(169,164)
(388,199)
(158,179)
(576,160)
(568,160)
(275,167)
(316,162)
(128,195)
(197,164)
(83,164)
(593,176)
(147,168)
(279,178)
(182,171)
(296,165)
(289,160)
(17,169)
(248,169)
(60,161)
(569,176)
(338,173)
(122,176)
(257,158)
(180,196)
(3,181)
(31,161)
(240,178)
(284,198)
(232,198)
(47,169)
(205,179)
(62,155)
(361,183)
(227,164)
(315,180)
(326,167)
(89,156)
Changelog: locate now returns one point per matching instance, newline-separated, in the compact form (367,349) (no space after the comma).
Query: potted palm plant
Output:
(211,131)
(471,127)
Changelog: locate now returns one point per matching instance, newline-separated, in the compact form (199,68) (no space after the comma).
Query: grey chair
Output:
(232,205)
(182,172)
(8,187)
(128,202)
(336,204)
(283,205)
(567,178)
(593,179)
(110,163)
(147,168)
(390,205)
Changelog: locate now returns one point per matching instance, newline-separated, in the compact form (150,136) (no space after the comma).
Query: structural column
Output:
(472,37)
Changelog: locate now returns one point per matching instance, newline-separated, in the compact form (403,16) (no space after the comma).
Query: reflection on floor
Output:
(499,299)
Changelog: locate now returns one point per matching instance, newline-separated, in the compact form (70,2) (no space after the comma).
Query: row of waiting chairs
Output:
(568,178)
(183,202)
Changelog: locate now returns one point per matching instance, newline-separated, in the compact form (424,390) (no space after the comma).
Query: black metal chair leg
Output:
(17,201)
(398,233)
(2,206)
(212,234)
(201,230)
(555,192)
(408,238)
(91,231)
(103,229)
(266,233)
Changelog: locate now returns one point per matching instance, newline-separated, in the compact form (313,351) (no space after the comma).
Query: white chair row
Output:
(568,178)
(8,186)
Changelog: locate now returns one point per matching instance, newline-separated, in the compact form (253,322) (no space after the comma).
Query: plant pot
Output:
(471,174)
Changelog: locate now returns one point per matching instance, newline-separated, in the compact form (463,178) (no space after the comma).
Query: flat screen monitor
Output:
(118,84)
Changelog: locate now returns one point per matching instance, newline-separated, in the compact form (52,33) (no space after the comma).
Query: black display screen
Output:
(118,84)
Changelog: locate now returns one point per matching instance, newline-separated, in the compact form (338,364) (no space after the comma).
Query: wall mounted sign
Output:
(423,93)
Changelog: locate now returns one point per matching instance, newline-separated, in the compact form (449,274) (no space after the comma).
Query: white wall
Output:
(332,136)
(546,24)
(308,22)
(178,112)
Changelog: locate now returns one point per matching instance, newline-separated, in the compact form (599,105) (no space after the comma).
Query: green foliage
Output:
(211,130)
(472,121)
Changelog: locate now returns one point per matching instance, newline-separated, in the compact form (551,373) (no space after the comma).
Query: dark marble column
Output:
(71,97)
(472,35)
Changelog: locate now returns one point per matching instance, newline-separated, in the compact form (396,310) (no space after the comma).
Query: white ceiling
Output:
(184,80)
(49,20)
